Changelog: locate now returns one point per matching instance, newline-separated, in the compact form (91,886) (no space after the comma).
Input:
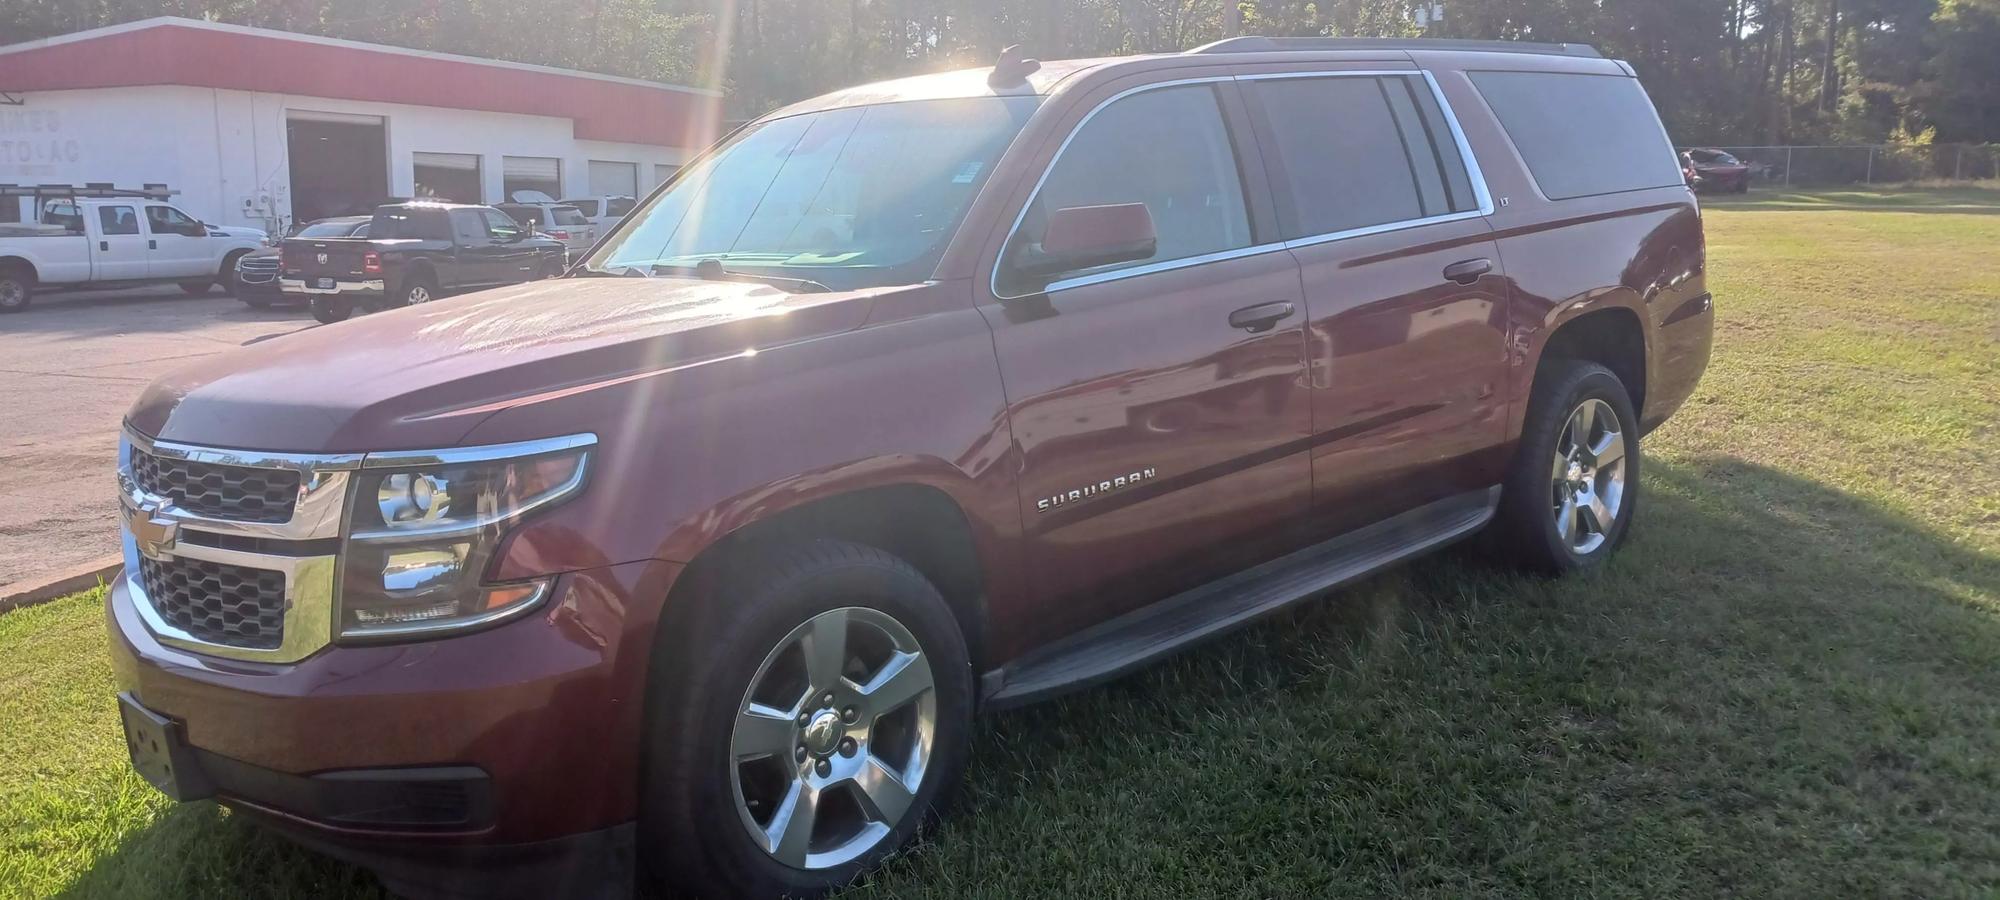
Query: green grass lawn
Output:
(1787,685)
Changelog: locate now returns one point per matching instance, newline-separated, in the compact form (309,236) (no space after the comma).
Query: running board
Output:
(1110,649)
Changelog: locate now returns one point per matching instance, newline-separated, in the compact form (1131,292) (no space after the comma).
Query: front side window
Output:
(1357,152)
(1165,148)
(406,222)
(168,220)
(500,225)
(850,198)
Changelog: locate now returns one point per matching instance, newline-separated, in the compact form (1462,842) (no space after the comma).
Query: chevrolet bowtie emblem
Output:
(155,536)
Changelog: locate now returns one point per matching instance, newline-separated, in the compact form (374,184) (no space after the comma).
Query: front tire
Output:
(228,276)
(804,727)
(1569,499)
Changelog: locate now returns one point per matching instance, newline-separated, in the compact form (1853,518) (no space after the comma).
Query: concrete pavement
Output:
(70,365)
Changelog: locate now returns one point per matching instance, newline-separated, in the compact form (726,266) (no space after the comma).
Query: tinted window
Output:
(117,220)
(1359,151)
(327,230)
(402,222)
(467,227)
(588,207)
(1165,148)
(526,215)
(1581,135)
(619,207)
(569,215)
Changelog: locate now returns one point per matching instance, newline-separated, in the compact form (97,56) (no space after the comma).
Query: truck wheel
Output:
(16,289)
(415,290)
(823,718)
(196,288)
(227,277)
(1569,499)
(328,310)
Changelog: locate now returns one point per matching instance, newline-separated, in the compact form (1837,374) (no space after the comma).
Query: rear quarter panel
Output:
(1641,251)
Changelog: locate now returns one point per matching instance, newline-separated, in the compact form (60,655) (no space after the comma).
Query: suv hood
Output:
(424,376)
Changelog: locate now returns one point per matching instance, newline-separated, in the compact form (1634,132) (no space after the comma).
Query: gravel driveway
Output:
(70,365)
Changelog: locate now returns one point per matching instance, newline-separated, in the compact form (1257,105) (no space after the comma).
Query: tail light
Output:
(281,256)
(371,263)
(559,235)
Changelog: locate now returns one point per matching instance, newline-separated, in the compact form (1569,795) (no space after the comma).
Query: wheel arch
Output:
(21,263)
(1613,337)
(917,522)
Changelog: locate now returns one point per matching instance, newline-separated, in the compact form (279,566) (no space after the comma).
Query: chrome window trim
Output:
(1474,175)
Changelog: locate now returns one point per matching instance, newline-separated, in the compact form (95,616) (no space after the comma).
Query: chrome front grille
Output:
(234,606)
(230,493)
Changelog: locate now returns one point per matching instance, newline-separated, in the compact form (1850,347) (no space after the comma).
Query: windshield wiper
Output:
(711,270)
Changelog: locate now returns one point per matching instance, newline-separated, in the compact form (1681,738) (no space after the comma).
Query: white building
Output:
(248,126)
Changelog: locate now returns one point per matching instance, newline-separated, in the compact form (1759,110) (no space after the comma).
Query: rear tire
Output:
(17,288)
(196,288)
(256,302)
(728,764)
(415,290)
(328,310)
(1577,465)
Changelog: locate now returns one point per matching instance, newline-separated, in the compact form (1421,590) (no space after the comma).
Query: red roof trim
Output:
(197,55)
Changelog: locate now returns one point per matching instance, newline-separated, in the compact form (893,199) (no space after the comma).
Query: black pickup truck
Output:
(414,251)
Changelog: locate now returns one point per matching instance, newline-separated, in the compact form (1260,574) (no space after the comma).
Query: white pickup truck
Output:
(116,242)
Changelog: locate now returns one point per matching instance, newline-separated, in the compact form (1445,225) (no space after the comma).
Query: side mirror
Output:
(1083,237)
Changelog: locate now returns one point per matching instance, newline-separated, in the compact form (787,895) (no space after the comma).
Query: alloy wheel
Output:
(1589,476)
(832,740)
(419,294)
(12,294)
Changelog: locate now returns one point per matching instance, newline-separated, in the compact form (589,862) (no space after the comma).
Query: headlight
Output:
(423,534)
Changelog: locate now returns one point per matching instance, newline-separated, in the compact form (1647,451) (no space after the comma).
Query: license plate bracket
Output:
(324,284)
(160,754)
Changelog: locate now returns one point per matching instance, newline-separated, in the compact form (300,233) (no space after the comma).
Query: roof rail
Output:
(1260,44)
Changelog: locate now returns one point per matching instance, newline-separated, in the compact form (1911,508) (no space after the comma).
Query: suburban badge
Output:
(1103,487)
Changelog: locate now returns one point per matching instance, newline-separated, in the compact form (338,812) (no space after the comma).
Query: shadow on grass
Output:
(1764,648)
(1959,200)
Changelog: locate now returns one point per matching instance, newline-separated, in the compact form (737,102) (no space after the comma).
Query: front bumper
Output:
(535,725)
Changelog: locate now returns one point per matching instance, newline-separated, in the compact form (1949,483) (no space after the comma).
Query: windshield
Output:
(851,198)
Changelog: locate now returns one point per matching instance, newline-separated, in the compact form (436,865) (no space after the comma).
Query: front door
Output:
(1161,444)
(479,258)
(1403,280)
(179,245)
(514,255)
(120,253)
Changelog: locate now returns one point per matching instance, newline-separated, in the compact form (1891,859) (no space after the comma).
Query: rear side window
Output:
(588,207)
(467,227)
(1582,135)
(620,206)
(117,220)
(1359,151)
(1166,148)
(397,222)
(528,216)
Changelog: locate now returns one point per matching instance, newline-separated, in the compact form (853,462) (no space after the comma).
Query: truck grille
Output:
(232,493)
(221,604)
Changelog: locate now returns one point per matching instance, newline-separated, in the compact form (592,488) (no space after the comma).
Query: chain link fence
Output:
(1867,164)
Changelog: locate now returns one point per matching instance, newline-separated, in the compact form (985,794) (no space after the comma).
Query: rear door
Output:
(120,251)
(1161,443)
(1386,216)
(179,246)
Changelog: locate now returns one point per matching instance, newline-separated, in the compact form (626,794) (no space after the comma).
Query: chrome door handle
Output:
(1262,317)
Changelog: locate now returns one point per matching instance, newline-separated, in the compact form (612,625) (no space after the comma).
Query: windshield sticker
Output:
(970,172)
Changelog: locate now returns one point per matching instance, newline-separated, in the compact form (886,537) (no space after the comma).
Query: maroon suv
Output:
(910,400)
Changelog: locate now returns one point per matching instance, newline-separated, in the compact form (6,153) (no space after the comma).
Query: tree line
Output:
(1721,71)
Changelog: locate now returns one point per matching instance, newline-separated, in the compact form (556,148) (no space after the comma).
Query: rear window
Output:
(402,222)
(1582,135)
(619,206)
(526,215)
(326,230)
(589,207)
(570,215)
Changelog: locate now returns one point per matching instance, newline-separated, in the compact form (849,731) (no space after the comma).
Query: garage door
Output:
(448,176)
(617,179)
